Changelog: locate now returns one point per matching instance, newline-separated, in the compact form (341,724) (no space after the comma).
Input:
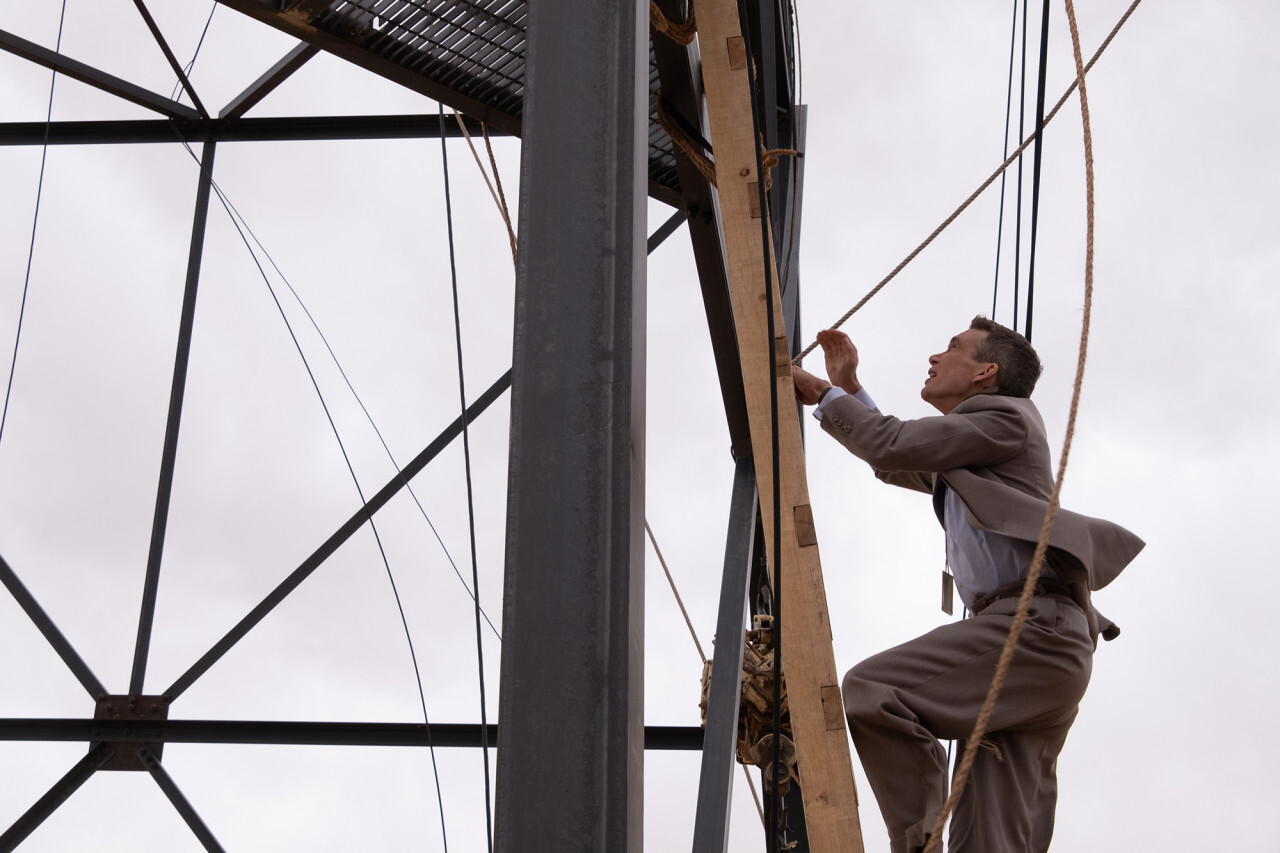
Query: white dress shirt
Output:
(980,560)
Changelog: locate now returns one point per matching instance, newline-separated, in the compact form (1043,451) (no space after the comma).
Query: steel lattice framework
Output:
(469,55)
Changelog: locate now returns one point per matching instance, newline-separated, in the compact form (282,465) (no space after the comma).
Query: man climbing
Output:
(985,461)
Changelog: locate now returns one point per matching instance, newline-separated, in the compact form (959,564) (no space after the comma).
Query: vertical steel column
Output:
(571,736)
(719,744)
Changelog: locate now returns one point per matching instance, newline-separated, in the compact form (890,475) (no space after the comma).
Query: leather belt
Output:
(1044,586)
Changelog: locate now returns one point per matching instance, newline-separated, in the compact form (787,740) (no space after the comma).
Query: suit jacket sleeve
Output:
(969,437)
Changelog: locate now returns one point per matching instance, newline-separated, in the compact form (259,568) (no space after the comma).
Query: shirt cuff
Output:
(835,393)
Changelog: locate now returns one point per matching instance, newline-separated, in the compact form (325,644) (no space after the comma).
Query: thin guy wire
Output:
(35,219)
(502,197)
(501,202)
(466,457)
(974,742)
(670,580)
(373,526)
(177,91)
(988,182)
(360,402)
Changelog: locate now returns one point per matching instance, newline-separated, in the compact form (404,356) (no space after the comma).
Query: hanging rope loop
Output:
(771,157)
(982,724)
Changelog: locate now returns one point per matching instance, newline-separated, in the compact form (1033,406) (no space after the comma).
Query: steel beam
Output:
(168,55)
(56,796)
(92,76)
(177,391)
(275,733)
(283,129)
(570,737)
(719,750)
(179,801)
(266,84)
(345,532)
(665,230)
(50,631)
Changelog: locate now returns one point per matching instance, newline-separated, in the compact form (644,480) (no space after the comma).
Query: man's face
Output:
(954,374)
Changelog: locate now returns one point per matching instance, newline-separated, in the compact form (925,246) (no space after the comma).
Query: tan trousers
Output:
(902,701)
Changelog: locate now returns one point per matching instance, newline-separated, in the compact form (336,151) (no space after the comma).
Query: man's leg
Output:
(1009,801)
(901,701)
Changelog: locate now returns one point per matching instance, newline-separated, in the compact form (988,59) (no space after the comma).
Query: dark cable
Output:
(1035,166)
(360,402)
(346,458)
(35,218)
(774,801)
(1008,112)
(466,457)
(177,92)
(1022,121)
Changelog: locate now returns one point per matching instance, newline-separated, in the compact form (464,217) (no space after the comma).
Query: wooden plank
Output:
(822,747)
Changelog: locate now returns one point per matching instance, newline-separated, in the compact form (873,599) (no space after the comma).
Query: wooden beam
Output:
(813,687)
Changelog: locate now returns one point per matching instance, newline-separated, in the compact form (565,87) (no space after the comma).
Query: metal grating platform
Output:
(468,54)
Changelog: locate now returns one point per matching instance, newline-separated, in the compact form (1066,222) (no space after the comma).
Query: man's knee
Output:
(861,696)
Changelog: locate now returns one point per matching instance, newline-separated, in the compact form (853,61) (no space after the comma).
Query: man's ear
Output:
(988,376)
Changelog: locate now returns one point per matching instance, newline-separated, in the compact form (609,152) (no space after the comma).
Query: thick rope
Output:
(670,580)
(502,197)
(694,152)
(681,33)
(988,182)
(674,591)
(498,198)
(771,157)
(1037,561)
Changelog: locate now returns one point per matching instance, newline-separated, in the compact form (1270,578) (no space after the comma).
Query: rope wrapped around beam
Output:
(681,33)
(704,164)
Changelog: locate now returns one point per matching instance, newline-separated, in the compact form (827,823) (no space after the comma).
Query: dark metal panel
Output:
(56,796)
(168,456)
(98,79)
(335,541)
(573,626)
(719,751)
(50,631)
(273,77)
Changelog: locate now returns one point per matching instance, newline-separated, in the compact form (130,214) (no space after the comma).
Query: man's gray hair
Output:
(1019,366)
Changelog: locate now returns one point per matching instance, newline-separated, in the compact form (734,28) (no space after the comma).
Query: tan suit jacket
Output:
(993,452)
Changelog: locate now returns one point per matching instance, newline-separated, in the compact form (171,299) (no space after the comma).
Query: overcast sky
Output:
(906,112)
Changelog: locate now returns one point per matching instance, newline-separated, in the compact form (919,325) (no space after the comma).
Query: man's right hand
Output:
(809,388)
(842,359)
